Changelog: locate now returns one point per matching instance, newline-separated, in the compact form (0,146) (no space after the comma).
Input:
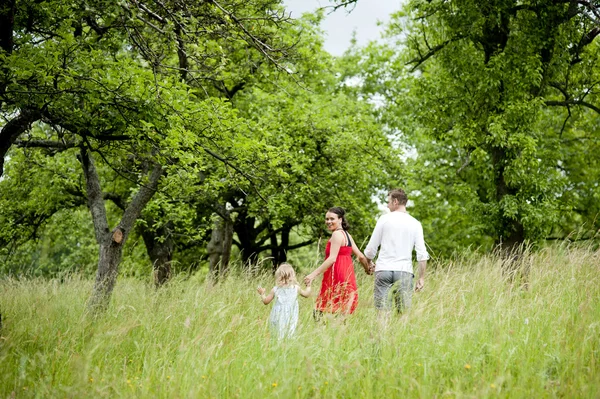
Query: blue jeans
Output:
(393,285)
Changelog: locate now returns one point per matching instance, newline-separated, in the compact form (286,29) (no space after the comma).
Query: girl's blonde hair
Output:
(285,275)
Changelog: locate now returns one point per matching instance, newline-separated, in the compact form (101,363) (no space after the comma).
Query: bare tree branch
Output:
(343,4)
(432,51)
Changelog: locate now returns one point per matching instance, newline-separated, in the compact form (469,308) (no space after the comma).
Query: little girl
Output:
(284,315)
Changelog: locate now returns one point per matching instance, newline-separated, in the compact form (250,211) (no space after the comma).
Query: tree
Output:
(472,89)
(101,78)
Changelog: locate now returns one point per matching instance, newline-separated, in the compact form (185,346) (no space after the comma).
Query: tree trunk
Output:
(7,23)
(512,234)
(227,242)
(108,268)
(215,246)
(111,243)
(247,233)
(160,251)
(219,246)
(279,250)
(274,250)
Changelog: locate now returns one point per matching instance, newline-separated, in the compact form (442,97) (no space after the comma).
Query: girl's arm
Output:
(361,257)
(266,299)
(306,292)
(336,242)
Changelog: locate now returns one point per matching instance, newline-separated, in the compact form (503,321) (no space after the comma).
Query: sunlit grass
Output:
(474,332)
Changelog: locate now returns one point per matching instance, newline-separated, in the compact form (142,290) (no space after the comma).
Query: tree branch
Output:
(226,162)
(566,103)
(94,195)
(585,40)
(432,51)
(300,245)
(261,46)
(13,129)
(50,144)
(140,200)
(116,199)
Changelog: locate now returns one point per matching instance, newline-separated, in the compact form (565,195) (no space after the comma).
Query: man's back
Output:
(397,233)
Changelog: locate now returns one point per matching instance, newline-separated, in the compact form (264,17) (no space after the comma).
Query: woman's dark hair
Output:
(340,212)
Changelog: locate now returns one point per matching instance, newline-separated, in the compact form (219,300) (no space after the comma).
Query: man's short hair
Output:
(399,195)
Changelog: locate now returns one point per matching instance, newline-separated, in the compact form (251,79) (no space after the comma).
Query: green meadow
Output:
(480,329)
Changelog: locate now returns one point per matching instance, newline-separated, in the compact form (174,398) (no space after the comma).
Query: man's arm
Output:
(422,257)
(421,281)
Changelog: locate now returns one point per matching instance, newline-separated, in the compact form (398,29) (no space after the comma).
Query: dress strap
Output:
(348,238)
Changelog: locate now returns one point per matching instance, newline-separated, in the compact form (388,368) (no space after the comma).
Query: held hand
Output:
(371,269)
(309,279)
(261,290)
(420,284)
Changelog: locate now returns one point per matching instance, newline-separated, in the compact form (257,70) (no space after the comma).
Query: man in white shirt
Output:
(397,233)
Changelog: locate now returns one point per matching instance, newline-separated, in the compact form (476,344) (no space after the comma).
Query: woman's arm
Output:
(361,257)
(334,249)
(266,299)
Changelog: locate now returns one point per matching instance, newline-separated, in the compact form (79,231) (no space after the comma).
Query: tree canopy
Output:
(493,97)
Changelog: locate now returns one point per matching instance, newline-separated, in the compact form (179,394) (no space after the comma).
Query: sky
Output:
(340,24)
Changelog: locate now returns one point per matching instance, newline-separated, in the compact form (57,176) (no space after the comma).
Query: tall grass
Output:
(478,330)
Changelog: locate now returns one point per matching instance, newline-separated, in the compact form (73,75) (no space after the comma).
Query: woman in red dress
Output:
(338,290)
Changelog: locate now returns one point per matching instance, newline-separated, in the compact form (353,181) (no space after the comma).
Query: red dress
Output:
(338,289)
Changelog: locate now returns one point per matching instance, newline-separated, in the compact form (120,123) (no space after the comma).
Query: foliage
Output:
(480,92)
(241,106)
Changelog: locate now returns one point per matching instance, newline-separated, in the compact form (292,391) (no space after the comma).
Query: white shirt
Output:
(397,233)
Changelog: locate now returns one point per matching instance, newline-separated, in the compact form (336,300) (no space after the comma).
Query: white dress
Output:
(284,315)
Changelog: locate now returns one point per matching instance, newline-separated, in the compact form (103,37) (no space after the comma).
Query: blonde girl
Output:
(284,315)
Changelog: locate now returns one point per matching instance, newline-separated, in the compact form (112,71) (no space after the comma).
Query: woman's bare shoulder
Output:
(337,236)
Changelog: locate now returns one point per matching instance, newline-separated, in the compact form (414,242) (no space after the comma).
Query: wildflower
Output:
(467,366)
(493,386)
(91,379)
(326,383)
(168,377)
(204,376)
(299,387)
(129,381)
(274,384)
